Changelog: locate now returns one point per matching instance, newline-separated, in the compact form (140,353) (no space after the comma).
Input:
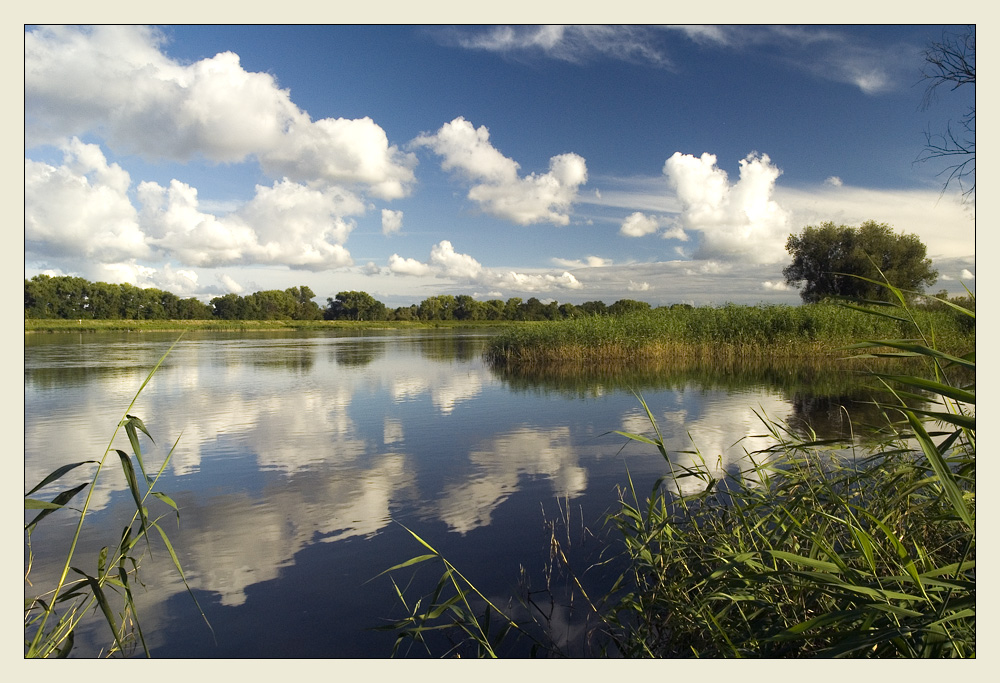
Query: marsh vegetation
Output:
(816,547)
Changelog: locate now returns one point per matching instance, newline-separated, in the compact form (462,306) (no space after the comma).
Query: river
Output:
(301,455)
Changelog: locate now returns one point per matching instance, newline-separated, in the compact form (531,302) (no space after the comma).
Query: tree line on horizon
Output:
(69,297)
(827,261)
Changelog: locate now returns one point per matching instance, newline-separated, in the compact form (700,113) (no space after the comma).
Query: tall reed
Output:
(729,331)
(69,602)
(818,548)
(818,552)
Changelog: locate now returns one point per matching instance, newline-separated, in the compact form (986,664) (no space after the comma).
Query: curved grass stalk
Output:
(476,630)
(58,640)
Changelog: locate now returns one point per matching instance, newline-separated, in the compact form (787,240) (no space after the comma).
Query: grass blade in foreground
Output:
(814,554)
(70,601)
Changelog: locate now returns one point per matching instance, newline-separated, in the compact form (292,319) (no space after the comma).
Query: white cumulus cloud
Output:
(453,264)
(347,151)
(445,262)
(287,223)
(407,266)
(392,221)
(499,190)
(115,82)
(737,221)
(534,282)
(229,283)
(124,271)
(638,224)
(81,208)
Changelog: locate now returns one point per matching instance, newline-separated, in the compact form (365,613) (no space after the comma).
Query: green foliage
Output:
(842,261)
(354,305)
(625,306)
(818,551)
(593,307)
(74,298)
(822,548)
(437,308)
(667,333)
(294,303)
(52,617)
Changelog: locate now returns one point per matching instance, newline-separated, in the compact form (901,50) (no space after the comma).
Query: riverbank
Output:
(812,547)
(662,334)
(59,325)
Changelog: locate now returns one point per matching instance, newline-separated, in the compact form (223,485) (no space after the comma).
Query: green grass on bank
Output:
(60,325)
(766,330)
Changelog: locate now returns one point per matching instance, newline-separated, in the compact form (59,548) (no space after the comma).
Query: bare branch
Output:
(952,62)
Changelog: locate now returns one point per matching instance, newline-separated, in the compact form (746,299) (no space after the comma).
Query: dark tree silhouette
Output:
(951,63)
(827,259)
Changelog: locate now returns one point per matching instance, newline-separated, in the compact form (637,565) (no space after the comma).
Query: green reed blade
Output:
(48,508)
(919,349)
(636,437)
(871,311)
(166,499)
(57,473)
(102,601)
(945,477)
(133,486)
(35,504)
(131,424)
(130,604)
(939,388)
(963,421)
(407,563)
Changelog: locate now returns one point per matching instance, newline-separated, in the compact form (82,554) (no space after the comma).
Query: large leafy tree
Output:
(623,306)
(825,260)
(354,305)
(305,307)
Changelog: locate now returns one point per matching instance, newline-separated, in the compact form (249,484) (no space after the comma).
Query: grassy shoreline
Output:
(815,548)
(60,325)
(737,332)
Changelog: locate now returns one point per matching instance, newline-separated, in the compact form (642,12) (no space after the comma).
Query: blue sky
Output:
(667,164)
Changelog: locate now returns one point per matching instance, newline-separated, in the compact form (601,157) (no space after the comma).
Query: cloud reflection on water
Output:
(274,458)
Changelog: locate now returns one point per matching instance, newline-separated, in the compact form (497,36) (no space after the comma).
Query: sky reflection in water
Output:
(298,450)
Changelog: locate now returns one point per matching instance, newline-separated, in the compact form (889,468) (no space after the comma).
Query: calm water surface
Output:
(299,452)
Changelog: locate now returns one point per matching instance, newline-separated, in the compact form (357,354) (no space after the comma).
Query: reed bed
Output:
(728,332)
(819,548)
(809,553)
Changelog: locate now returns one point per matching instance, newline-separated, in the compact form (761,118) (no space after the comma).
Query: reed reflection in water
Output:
(298,449)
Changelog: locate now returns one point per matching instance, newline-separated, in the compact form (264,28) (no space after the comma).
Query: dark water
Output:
(300,451)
